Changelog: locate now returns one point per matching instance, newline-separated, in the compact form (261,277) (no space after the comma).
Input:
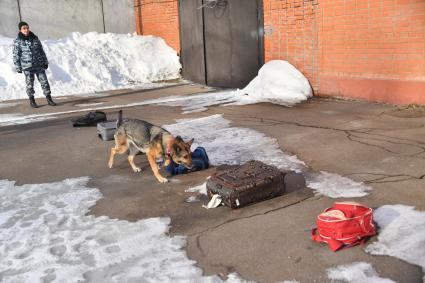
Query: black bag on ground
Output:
(251,182)
(91,119)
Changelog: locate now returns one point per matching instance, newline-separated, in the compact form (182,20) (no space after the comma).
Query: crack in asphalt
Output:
(382,178)
(352,135)
(199,234)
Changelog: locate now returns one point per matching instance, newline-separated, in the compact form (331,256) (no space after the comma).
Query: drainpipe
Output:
(103,16)
(19,10)
(138,16)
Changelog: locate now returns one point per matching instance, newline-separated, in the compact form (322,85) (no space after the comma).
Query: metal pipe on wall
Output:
(19,11)
(103,16)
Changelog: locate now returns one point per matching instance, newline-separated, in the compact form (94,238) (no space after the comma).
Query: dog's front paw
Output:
(164,180)
(137,169)
(110,164)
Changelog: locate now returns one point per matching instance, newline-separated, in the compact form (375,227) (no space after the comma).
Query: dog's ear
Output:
(189,143)
(178,139)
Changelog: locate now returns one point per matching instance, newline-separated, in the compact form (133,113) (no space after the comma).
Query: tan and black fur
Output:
(136,136)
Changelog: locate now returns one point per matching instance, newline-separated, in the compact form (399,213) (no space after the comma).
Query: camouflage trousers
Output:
(42,78)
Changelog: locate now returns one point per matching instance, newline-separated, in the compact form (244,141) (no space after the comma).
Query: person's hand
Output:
(45,67)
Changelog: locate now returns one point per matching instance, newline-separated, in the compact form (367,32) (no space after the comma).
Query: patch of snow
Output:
(8,105)
(192,199)
(201,189)
(401,234)
(336,186)
(18,119)
(15,119)
(45,235)
(84,63)
(198,102)
(233,145)
(357,272)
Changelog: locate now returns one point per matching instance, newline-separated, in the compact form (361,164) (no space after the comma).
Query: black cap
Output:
(21,24)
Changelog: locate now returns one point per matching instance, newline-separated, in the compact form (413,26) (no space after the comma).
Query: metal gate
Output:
(221,41)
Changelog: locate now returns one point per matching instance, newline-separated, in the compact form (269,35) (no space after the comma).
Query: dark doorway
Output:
(221,41)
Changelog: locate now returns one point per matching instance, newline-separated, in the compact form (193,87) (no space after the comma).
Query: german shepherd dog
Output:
(140,136)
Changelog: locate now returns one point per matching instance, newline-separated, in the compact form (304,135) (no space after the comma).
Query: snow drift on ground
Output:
(277,82)
(45,235)
(233,145)
(84,63)
(401,234)
(357,272)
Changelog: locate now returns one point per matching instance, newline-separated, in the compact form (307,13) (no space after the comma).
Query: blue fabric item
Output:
(200,161)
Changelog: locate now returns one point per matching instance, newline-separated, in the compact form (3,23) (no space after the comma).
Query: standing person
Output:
(29,57)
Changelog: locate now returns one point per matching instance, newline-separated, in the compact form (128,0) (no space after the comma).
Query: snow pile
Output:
(335,186)
(401,234)
(84,63)
(357,272)
(277,82)
(45,235)
(234,146)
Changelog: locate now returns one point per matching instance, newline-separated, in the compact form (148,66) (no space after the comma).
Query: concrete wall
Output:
(57,18)
(9,17)
(119,16)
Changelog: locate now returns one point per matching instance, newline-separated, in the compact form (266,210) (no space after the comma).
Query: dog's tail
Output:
(119,121)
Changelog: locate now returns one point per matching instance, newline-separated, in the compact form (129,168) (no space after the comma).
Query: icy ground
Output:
(357,272)
(233,145)
(45,235)
(85,63)
(401,234)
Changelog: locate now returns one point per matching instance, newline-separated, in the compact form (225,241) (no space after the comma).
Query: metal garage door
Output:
(221,41)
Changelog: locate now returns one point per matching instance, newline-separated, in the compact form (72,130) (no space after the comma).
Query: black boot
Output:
(50,100)
(32,102)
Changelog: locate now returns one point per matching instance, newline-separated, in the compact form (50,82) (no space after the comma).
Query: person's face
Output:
(25,30)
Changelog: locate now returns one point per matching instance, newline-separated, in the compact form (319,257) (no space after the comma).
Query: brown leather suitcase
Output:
(249,183)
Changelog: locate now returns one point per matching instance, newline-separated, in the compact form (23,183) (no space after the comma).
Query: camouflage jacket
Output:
(28,53)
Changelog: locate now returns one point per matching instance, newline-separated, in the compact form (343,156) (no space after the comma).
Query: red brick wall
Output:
(368,49)
(291,33)
(373,50)
(159,18)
